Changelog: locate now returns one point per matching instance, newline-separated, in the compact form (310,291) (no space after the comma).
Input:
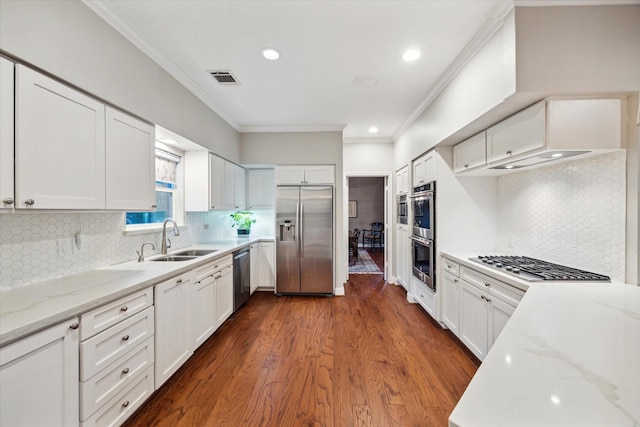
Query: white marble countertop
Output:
(31,308)
(569,355)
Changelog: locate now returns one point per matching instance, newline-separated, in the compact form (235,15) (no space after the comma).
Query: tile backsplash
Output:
(571,213)
(36,247)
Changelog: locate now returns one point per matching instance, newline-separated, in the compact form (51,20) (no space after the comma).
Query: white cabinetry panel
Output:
(451,302)
(267,264)
(224,294)
(204,298)
(60,145)
(470,154)
(260,188)
(130,167)
(473,319)
(255,266)
(39,378)
(6,134)
(298,174)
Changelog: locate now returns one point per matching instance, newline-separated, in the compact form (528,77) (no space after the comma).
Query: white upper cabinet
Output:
(130,164)
(424,169)
(402,180)
(260,188)
(6,134)
(470,154)
(60,145)
(297,174)
(518,134)
(212,183)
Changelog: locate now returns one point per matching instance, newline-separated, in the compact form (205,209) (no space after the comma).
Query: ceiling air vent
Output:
(223,77)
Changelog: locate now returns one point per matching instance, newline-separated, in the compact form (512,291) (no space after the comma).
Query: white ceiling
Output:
(340,65)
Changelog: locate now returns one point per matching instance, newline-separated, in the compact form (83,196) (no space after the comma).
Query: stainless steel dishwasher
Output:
(241,277)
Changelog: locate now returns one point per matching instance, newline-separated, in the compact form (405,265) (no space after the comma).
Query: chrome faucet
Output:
(176,232)
(141,252)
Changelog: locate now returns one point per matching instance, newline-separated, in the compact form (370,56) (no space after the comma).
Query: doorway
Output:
(367,204)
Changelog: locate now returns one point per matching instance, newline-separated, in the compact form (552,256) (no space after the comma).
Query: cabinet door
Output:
(402,255)
(39,378)
(204,322)
(60,145)
(229,192)
(130,167)
(240,187)
(402,181)
(254,253)
(323,174)
(451,302)
(430,168)
(473,319)
(522,132)
(418,172)
(217,171)
(267,271)
(224,294)
(499,314)
(6,134)
(470,154)
(289,174)
(260,188)
(173,339)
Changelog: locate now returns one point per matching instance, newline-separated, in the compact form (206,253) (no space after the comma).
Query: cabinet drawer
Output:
(125,403)
(451,267)
(95,392)
(507,293)
(108,315)
(425,297)
(103,349)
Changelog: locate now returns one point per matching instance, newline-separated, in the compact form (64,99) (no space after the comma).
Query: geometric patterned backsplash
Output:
(29,241)
(572,213)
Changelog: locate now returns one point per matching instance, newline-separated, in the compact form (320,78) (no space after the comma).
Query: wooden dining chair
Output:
(373,236)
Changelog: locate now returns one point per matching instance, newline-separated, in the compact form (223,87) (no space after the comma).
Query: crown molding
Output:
(104,11)
(271,129)
(368,140)
(488,29)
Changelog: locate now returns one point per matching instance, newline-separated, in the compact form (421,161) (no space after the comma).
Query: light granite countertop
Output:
(31,308)
(569,355)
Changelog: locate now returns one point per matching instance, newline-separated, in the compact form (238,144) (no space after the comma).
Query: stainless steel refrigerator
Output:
(304,240)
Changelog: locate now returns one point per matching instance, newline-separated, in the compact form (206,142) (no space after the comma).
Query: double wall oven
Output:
(423,234)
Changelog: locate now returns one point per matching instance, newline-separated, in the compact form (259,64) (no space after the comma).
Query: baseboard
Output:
(339,292)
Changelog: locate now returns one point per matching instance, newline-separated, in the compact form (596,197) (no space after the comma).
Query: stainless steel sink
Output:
(174,258)
(195,252)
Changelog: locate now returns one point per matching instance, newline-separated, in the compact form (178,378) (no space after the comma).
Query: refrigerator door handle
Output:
(300,227)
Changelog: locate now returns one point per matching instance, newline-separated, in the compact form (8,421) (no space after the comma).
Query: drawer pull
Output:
(455,280)
(179,281)
(421,296)
(483,297)
(75,325)
(509,152)
(125,371)
(487,284)
(125,308)
(125,404)
(125,338)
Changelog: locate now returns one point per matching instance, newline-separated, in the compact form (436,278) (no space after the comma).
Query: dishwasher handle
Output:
(239,254)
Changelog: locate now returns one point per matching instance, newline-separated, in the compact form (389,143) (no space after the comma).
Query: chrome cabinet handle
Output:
(212,207)
(466,165)
(8,201)
(125,371)
(125,404)
(483,297)
(30,202)
(75,325)
(178,281)
(154,206)
(508,152)
(124,308)
(455,280)
(125,338)
(487,284)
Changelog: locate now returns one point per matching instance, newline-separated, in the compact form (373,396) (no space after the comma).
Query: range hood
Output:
(541,158)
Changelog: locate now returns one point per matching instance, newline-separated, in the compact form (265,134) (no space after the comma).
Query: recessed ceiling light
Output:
(270,53)
(167,140)
(556,155)
(509,167)
(411,55)
(373,129)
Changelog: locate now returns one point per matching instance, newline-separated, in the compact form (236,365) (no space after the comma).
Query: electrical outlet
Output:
(78,242)
(64,247)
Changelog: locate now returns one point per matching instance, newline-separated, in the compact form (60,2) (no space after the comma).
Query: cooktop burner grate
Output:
(532,269)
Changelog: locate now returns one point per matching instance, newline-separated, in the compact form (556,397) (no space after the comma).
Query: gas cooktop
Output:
(533,270)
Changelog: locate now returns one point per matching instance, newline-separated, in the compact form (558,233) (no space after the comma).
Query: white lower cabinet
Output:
(424,296)
(403,255)
(203,317)
(486,305)
(39,378)
(173,339)
(267,265)
(224,293)
(254,252)
(451,302)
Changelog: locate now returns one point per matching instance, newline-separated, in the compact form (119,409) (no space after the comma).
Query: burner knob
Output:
(488,261)
(498,264)
(509,268)
(515,270)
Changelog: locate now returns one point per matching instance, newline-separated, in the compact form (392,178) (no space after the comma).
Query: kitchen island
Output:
(569,355)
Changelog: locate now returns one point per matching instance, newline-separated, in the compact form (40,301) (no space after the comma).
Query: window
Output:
(168,195)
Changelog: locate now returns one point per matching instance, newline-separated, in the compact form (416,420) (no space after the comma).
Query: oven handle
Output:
(421,240)
(425,195)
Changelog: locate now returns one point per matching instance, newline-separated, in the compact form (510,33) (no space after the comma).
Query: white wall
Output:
(68,40)
(281,148)
(368,158)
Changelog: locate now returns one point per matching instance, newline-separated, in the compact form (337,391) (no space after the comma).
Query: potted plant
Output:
(242,220)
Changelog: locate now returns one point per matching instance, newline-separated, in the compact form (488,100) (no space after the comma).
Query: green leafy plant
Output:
(242,220)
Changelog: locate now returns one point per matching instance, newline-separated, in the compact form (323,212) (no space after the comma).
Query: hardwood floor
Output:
(367,359)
